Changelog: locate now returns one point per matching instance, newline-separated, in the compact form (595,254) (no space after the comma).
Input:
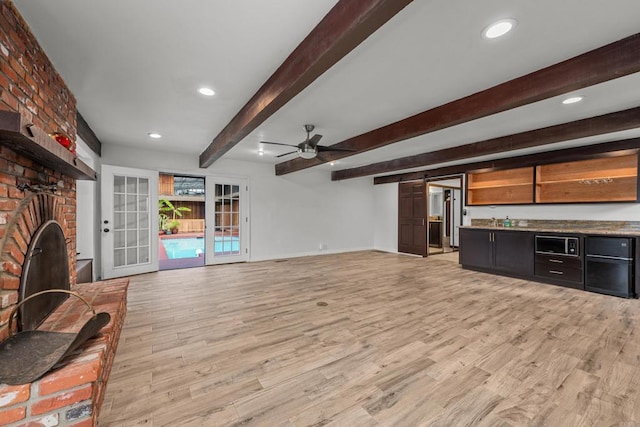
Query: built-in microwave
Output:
(560,245)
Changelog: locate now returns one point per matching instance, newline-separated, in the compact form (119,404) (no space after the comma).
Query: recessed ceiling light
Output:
(206,91)
(154,135)
(260,153)
(499,28)
(332,163)
(572,100)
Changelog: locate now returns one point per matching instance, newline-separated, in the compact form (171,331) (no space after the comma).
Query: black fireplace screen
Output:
(46,266)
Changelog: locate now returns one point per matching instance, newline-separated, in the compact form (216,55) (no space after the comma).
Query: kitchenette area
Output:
(509,230)
(596,256)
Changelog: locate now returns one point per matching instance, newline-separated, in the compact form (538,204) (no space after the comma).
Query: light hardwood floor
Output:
(402,341)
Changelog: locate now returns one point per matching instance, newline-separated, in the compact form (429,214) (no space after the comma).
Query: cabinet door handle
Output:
(556,261)
(556,272)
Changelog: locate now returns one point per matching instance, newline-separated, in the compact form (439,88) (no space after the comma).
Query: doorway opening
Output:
(181,221)
(444,207)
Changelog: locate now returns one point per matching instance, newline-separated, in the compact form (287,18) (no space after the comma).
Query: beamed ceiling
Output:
(408,85)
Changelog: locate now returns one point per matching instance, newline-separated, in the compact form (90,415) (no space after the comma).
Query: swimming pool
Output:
(191,247)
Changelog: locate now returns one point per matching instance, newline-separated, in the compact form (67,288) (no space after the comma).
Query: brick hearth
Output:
(72,395)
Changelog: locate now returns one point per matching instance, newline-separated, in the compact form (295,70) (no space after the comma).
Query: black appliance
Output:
(560,245)
(609,265)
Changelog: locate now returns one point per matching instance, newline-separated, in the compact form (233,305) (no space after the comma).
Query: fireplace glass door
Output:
(129,221)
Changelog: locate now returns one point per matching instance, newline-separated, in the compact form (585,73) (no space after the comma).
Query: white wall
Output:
(88,209)
(385,237)
(594,212)
(290,215)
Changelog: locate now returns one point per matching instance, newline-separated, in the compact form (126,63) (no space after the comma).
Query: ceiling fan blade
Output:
(313,141)
(278,143)
(286,154)
(324,149)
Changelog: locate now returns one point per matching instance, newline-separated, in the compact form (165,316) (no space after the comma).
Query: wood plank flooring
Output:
(402,341)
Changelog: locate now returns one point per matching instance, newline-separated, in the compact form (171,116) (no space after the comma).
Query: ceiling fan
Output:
(309,148)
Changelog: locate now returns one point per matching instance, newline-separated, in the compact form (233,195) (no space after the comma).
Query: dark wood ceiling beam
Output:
(609,62)
(607,123)
(625,146)
(346,25)
(85,132)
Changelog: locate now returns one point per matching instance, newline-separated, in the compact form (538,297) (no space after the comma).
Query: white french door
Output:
(227,219)
(129,221)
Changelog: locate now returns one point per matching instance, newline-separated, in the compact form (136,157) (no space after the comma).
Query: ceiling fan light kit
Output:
(309,148)
(307,151)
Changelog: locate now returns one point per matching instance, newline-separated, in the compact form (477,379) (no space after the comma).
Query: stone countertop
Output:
(567,230)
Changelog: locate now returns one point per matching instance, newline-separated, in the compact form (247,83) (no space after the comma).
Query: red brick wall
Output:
(29,82)
(30,85)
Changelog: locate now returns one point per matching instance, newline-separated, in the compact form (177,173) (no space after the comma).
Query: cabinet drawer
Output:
(558,272)
(559,261)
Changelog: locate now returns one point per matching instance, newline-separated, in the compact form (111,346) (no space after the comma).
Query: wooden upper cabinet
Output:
(607,179)
(502,187)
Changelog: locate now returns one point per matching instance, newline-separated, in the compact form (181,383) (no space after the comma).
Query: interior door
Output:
(412,229)
(227,220)
(129,221)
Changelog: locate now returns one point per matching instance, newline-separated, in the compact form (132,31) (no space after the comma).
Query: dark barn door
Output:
(412,229)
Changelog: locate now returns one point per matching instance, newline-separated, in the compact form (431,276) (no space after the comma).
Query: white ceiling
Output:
(135,68)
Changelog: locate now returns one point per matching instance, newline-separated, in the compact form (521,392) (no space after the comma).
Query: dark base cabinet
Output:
(513,252)
(502,251)
(476,248)
(604,264)
(560,269)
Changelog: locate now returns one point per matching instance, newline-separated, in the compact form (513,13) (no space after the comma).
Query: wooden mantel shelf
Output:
(37,145)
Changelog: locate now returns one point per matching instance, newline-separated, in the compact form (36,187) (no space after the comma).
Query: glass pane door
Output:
(226,220)
(131,233)
(227,209)
(128,221)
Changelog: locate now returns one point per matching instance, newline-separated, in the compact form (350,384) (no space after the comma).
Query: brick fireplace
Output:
(34,101)
(30,86)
